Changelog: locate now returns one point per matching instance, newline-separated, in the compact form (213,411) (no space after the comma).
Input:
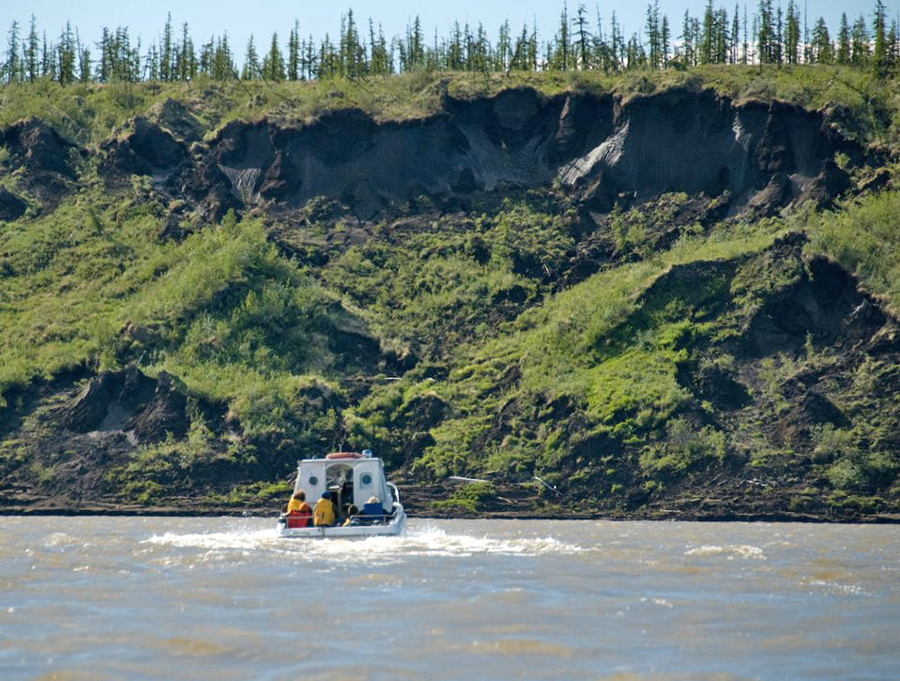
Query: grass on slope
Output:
(222,310)
(864,236)
(602,349)
(88,114)
(598,364)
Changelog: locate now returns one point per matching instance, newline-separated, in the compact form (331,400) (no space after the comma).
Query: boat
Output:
(351,478)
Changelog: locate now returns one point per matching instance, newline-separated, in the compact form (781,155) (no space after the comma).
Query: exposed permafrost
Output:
(600,149)
(606,154)
(695,143)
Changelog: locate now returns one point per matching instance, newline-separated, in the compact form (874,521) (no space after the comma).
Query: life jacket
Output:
(324,513)
(299,514)
(297,505)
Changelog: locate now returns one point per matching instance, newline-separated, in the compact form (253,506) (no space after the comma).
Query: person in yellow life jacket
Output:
(324,511)
(298,504)
(298,511)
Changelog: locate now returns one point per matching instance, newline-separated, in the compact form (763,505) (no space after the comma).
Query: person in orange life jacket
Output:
(324,511)
(299,512)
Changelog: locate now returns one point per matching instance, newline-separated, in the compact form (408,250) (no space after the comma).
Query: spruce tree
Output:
(187,57)
(251,70)
(720,54)
(103,67)
(792,34)
(533,49)
(352,53)
(734,52)
(561,51)
(880,47)
(821,51)
(745,45)
(765,35)
(843,48)
(273,62)
(48,63)
(617,42)
(893,55)
(520,53)
(293,65)
(708,37)
(65,56)
(84,65)
(11,67)
(310,59)
(414,49)
(582,35)
(859,42)
(687,39)
(223,67)
(151,63)
(665,38)
(32,49)
(778,42)
(166,50)
(504,47)
(652,27)
(807,47)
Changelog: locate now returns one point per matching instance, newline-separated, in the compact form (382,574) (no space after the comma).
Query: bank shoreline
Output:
(120,510)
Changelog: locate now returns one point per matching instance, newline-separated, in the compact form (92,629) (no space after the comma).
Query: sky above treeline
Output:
(241,19)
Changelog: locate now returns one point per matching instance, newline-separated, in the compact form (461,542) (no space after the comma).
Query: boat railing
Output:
(394,491)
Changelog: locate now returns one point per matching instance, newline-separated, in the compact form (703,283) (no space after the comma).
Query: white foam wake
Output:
(423,541)
(744,551)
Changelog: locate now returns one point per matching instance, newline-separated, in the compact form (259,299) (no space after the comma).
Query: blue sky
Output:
(240,19)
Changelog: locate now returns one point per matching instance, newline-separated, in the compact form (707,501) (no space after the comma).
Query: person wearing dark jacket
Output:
(373,512)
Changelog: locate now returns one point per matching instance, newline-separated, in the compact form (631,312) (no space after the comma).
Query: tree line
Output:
(768,35)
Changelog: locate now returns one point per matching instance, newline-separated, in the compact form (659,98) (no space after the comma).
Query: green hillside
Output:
(203,282)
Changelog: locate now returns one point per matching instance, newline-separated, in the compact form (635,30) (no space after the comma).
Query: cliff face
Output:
(602,149)
(577,286)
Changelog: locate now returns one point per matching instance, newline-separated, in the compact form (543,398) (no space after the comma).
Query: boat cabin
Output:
(352,478)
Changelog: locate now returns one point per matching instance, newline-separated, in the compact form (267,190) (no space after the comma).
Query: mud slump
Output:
(599,147)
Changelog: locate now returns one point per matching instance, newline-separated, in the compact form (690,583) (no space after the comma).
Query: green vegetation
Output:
(863,237)
(470,497)
(866,104)
(486,339)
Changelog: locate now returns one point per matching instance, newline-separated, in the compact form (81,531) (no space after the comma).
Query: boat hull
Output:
(391,529)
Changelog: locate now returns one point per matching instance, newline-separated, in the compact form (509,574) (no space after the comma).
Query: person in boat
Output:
(324,511)
(350,513)
(297,503)
(372,511)
(298,511)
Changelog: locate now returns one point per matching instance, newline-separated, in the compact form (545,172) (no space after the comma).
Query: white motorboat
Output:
(351,479)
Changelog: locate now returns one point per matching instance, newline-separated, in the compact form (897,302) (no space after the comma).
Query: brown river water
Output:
(220,598)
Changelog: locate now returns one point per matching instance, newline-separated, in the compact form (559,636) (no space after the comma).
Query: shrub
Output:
(470,497)
(685,447)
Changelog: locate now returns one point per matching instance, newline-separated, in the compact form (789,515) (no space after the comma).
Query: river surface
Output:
(220,598)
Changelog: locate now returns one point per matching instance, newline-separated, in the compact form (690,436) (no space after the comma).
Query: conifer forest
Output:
(584,40)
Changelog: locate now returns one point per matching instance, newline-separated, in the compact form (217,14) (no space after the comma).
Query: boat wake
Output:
(742,551)
(419,541)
